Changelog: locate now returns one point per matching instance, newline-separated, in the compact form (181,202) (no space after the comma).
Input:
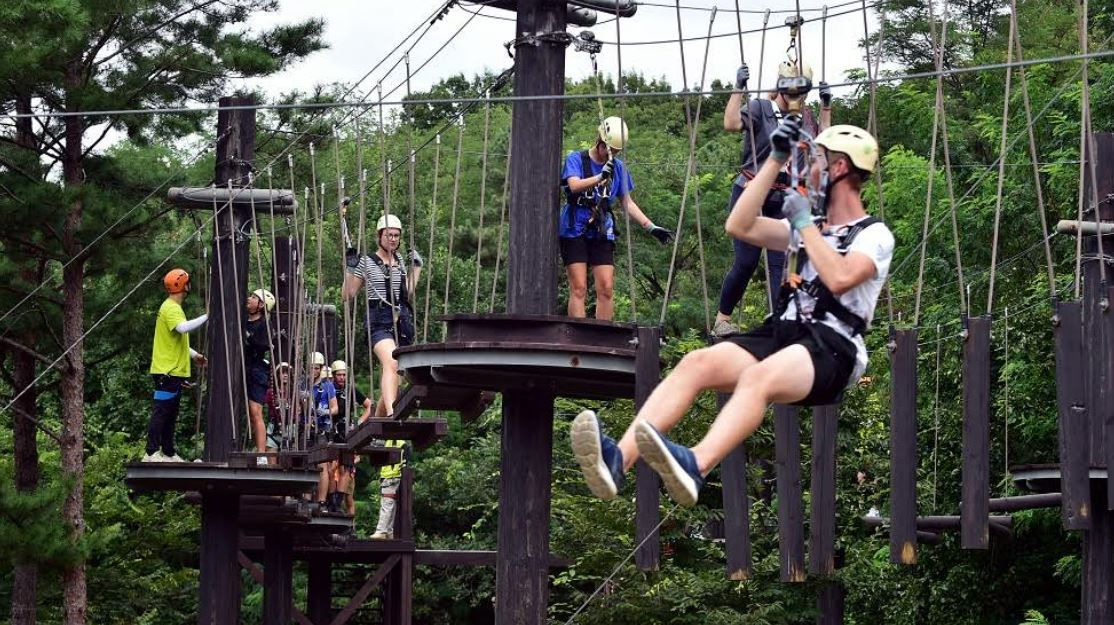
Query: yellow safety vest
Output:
(392,470)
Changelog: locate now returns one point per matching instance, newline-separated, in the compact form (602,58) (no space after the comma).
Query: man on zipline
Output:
(257,347)
(806,353)
(390,289)
(763,116)
(592,180)
(170,366)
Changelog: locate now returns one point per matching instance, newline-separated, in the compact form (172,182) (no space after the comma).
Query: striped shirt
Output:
(374,272)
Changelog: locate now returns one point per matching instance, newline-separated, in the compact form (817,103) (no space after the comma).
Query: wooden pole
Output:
(278,577)
(647,374)
(522,567)
(822,526)
(736,508)
(220,574)
(903,447)
(1098,564)
(319,594)
(790,513)
(286,271)
(974,507)
(1072,408)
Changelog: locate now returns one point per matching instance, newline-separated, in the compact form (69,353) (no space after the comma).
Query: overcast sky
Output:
(361,32)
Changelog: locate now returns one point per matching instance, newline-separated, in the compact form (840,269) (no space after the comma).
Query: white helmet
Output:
(388,221)
(853,141)
(326,373)
(319,358)
(266,297)
(338,366)
(613,132)
(789,70)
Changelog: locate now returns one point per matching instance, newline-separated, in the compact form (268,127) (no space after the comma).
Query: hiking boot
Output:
(675,463)
(724,328)
(599,457)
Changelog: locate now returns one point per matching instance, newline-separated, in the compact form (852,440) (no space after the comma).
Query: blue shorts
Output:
(258,380)
(381,326)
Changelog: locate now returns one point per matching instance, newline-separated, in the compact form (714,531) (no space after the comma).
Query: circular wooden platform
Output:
(565,356)
(207,477)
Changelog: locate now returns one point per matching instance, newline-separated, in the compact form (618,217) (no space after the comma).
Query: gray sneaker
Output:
(724,328)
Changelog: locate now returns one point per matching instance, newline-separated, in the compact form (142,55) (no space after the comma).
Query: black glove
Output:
(742,75)
(825,94)
(415,258)
(661,234)
(782,139)
(351,258)
(607,171)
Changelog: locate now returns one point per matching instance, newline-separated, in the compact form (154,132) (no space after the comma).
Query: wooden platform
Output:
(421,432)
(375,456)
(1045,478)
(218,477)
(469,402)
(336,549)
(569,357)
(259,513)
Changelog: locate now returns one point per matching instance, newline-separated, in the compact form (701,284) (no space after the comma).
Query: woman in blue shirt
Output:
(594,179)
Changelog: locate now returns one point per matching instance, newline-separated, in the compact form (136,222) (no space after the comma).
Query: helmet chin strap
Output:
(819,197)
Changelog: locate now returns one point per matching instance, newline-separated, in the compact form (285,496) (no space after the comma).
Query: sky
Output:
(361,32)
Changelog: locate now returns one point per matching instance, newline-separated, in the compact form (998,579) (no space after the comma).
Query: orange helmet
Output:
(176,281)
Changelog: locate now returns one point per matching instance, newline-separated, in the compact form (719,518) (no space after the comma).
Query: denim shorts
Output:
(381,326)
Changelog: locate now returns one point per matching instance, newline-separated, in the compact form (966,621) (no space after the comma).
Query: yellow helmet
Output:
(613,132)
(853,141)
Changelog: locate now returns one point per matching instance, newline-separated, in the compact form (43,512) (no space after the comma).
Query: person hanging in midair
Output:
(763,116)
(593,180)
(806,353)
(170,366)
(389,282)
(257,348)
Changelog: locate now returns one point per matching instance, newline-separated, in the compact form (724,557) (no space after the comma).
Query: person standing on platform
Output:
(324,406)
(390,477)
(279,404)
(344,473)
(170,366)
(257,349)
(763,116)
(592,181)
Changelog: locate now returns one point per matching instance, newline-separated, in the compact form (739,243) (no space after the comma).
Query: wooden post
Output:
(286,263)
(1072,408)
(974,506)
(647,374)
(736,508)
(903,447)
(790,513)
(830,598)
(822,526)
(319,594)
(220,573)
(522,566)
(278,577)
(1098,564)
(398,592)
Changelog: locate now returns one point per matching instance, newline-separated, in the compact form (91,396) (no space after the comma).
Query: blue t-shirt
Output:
(574,219)
(323,391)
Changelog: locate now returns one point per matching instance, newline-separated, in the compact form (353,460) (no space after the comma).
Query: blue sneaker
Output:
(599,457)
(675,463)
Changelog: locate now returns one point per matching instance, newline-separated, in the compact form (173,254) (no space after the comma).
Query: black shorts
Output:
(258,380)
(596,252)
(833,356)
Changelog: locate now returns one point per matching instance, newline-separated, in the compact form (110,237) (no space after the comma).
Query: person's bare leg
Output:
(323,482)
(603,276)
(578,288)
(785,377)
(718,367)
(388,381)
(258,430)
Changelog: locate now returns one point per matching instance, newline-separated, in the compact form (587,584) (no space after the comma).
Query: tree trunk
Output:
(72,385)
(25,577)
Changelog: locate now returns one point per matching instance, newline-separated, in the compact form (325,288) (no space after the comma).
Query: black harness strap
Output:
(601,207)
(826,302)
(389,299)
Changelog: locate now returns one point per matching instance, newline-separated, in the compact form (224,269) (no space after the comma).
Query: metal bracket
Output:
(559,37)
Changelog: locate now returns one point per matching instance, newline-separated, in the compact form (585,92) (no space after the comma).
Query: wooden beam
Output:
(1025,502)
(1072,408)
(278,577)
(257,574)
(903,446)
(822,526)
(736,508)
(319,594)
(399,592)
(1098,564)
(975,497)
(404,520)
(790,513)
(647,374)
(362,594)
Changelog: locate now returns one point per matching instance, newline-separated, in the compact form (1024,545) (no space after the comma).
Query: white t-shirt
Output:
(877,243)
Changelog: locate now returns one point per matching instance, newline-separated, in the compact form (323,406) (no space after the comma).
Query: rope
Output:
(1089,142)
(939,105)
(360,243)
(1001,164)
(432,234)
(502,215)
(283,407)
(349,395)
(689,173)
(620,90)
(262,280)
(452,216)
(1034,159)
(239,320)
(872,68)
(483,207)
(952,209)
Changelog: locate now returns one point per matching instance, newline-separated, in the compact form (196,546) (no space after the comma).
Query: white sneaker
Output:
(261,461)
(174,458)
(724,328)
(380,536)
(158,456)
